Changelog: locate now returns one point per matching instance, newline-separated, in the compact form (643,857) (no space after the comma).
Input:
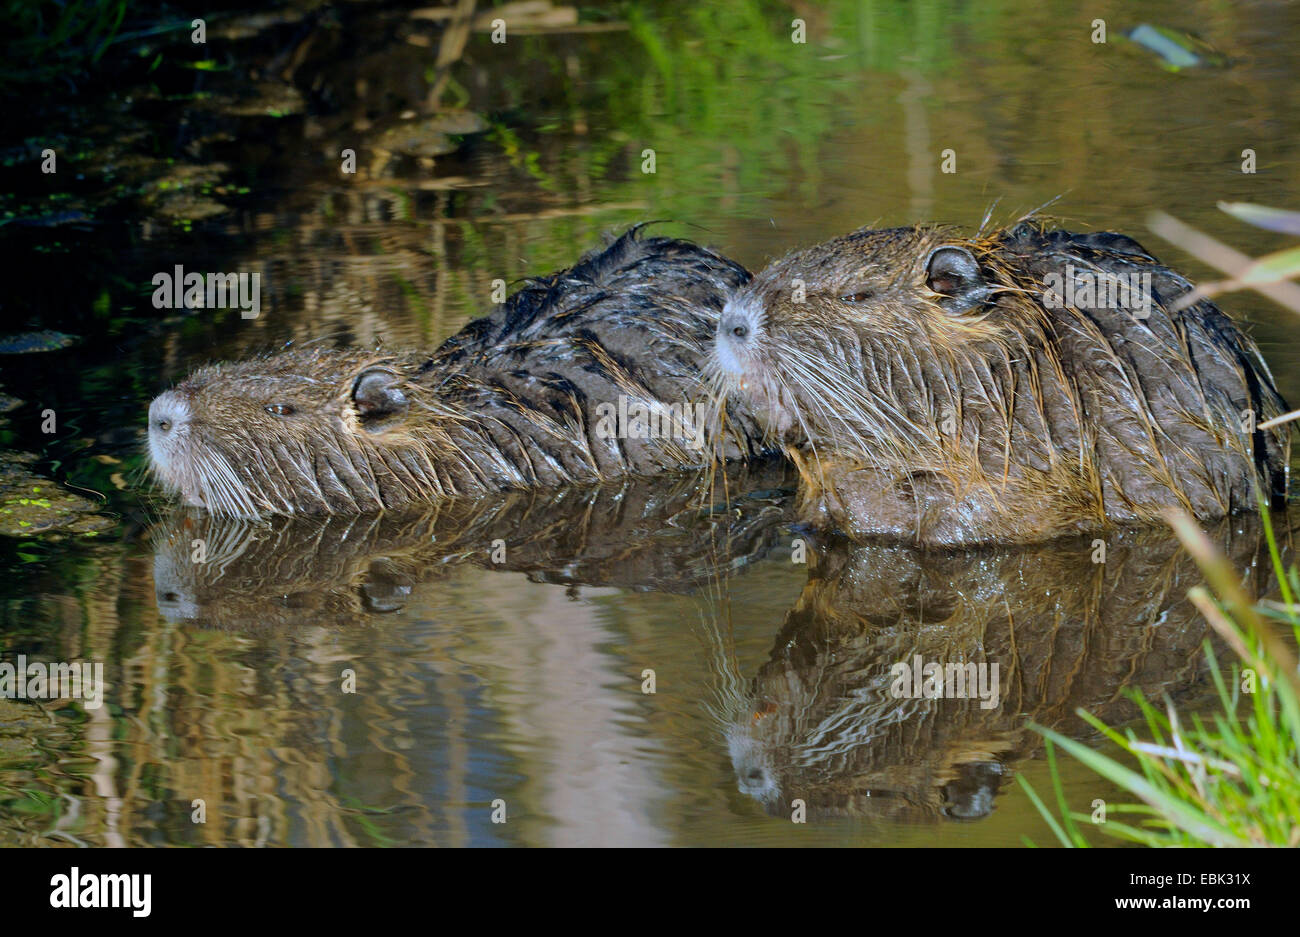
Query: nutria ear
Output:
(954,273)
(378,397)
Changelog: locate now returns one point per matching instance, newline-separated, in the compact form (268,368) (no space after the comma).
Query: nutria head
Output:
(959,389)
(313,432)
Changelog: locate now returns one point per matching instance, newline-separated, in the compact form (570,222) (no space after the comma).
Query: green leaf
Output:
(1186,817)
(1261,216)
(1273,268)
(1043,811)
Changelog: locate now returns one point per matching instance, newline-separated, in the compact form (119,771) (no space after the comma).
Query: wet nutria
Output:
(531,396)
(1009,387)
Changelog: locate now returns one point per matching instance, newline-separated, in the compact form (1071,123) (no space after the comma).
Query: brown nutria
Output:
(1010,387)
(566,382)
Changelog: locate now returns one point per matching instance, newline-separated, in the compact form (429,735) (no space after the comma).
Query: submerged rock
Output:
(430,136)
(30,504)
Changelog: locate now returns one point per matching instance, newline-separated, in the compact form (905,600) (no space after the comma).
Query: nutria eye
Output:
(740,331)
(861,297)
(279,409)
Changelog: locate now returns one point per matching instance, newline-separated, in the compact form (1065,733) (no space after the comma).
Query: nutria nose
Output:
(168,413)
(734,327)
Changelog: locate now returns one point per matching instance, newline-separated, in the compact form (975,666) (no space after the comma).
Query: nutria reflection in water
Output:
(335,570)
(821,720)
(583,376)
(1010,387)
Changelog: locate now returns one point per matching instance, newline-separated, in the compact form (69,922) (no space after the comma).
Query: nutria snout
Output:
(585,375)
(1014,386)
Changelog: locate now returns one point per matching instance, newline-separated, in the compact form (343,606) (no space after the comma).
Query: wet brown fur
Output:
(1063,419)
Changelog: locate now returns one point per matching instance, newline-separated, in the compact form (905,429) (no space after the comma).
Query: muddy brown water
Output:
(517,675)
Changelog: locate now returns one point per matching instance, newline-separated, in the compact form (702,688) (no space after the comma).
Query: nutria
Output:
(1007,387)
(530,396)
